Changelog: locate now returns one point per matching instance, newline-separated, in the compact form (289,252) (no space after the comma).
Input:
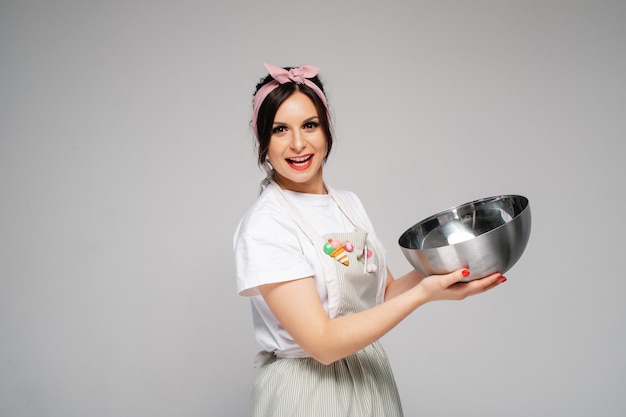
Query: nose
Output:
(298,141)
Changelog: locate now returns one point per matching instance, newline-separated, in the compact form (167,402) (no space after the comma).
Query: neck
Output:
(315,186)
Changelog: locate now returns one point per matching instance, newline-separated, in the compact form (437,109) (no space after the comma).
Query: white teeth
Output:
(300,160)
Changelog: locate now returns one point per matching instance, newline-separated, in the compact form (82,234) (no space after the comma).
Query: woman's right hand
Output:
(449,287)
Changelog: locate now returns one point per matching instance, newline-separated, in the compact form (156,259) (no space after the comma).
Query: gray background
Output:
(126,161)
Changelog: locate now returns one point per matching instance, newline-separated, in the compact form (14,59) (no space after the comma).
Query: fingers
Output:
(462,290)
(481,285)
(450,287)
(456,276)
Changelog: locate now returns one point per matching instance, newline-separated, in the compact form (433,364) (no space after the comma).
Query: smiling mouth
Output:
(301,162)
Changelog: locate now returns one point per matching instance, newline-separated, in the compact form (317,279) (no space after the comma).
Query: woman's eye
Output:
(278,129)
(311,125)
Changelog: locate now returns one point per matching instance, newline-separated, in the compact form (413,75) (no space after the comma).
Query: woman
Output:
(308,258)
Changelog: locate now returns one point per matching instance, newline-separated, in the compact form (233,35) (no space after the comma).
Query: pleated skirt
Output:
(359,385)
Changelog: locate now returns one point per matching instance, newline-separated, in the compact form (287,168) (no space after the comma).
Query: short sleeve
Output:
(268,249)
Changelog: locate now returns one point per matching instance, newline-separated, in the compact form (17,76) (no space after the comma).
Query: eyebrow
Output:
(310,119)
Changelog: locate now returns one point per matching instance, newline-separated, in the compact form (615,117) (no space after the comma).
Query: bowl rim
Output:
(460,206)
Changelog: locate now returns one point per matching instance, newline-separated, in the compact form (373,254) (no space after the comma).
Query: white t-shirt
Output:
(270,247)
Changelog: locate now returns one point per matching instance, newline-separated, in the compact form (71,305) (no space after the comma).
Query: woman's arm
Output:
(297,306)
(400,285)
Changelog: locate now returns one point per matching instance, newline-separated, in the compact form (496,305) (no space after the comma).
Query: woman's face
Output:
(298,146)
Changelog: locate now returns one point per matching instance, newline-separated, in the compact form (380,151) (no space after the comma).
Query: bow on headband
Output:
(280,76)
(296,75)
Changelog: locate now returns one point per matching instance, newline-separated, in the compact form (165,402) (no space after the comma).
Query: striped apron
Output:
(361,384)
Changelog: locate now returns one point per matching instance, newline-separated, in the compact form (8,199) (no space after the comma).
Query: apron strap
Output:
(328,267)
(347,210)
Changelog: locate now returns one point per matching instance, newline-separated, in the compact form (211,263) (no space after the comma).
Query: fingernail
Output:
(502,279)
(466,272)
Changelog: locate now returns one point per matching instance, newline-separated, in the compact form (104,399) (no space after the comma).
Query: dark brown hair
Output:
(269,107)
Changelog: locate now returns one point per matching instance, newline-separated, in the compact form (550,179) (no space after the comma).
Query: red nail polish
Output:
(466,272)
(502,279)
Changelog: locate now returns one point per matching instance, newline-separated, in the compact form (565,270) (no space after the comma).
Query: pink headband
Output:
(282,76)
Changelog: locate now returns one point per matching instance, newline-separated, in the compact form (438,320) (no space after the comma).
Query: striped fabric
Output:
(357,386)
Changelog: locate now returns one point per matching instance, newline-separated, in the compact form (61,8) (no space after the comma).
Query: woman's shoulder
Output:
(265,213)
(346,194)
(349,197)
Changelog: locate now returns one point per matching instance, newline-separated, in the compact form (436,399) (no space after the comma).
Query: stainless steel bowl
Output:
(486,236)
